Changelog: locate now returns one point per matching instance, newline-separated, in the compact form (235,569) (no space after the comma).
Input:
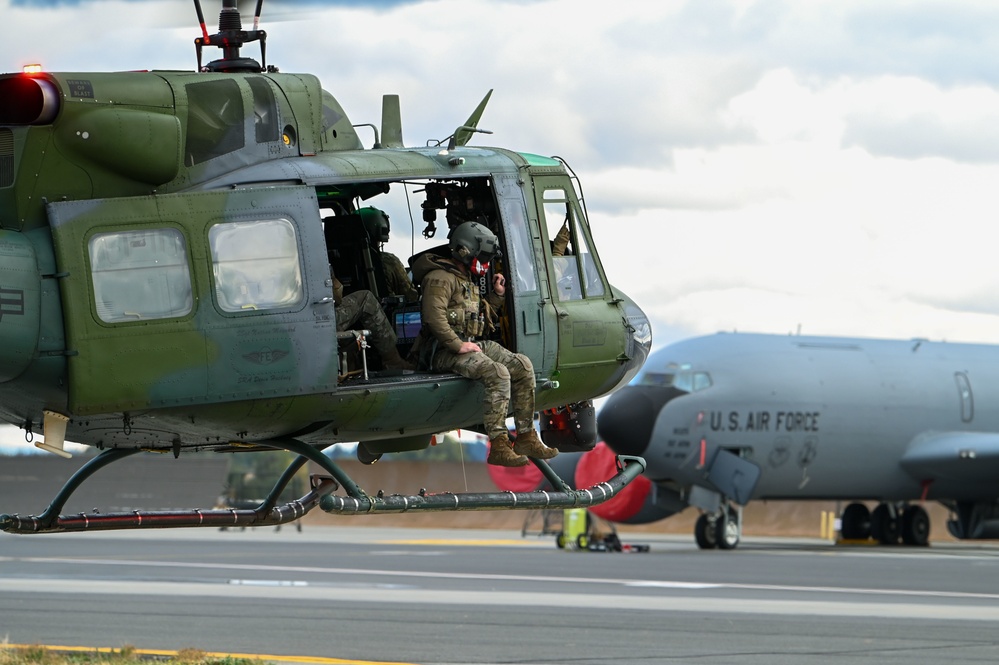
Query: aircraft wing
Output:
(962,456)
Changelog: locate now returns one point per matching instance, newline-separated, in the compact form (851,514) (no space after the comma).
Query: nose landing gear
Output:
(719,530)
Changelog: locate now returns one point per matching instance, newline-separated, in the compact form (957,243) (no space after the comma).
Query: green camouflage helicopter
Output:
(166,246)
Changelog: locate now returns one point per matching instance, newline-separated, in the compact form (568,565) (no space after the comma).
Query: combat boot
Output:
(529,444)
(501,452)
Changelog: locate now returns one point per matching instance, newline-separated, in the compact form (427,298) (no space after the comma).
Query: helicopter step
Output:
(270,513)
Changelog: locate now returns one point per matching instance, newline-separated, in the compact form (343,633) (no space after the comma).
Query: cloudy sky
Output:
(827,167)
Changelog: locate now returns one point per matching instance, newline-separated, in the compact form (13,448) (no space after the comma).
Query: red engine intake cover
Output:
(599,465)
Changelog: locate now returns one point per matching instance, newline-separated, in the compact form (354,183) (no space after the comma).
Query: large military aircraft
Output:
(728,418)
(169,242)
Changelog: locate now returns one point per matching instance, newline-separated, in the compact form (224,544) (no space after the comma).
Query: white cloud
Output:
(747,165)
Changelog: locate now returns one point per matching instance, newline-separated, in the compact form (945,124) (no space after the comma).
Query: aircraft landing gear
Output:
(705,531)
(721,530)
(887,523)
(916,526)
(855,522)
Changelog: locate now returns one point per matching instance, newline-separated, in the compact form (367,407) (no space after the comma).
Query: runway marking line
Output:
(319,660)
(455,541)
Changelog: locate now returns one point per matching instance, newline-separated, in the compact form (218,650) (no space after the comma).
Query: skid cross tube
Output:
(629,468)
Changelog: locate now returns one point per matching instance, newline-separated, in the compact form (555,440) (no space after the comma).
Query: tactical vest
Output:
(466,316)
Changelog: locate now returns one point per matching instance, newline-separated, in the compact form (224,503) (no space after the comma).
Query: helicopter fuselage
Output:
(167,240)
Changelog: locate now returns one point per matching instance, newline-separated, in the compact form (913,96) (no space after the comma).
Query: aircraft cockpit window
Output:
(214,120)
(576,272)
(256,265)
(685,380)
(520,245)
(702,380)
(265,118)
(140,275)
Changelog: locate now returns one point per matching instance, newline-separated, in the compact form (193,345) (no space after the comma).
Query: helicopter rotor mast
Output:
(230,38)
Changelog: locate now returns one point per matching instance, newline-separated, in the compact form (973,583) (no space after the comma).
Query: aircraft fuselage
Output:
(816,418)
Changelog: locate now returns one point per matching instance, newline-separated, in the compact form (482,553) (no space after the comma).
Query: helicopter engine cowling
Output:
(20,289)
(25,100)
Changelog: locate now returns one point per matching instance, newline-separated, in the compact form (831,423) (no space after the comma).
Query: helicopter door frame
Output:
(147,321)
(587,315)
(527,278)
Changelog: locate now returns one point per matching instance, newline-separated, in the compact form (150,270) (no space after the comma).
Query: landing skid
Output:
(322,487)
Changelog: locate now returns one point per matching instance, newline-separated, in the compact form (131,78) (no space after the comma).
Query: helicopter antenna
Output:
(230,38)
(463,134)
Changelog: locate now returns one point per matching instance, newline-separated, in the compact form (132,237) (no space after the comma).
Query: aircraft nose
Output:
(626,421)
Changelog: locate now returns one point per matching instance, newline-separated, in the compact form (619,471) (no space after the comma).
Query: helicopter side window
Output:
(140,275)
(265,118)
(214,120)
(256,265)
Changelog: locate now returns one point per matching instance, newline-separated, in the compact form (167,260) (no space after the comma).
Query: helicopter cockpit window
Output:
(140,275)
(265,118)
(576,272)
(214,120)
(256,265)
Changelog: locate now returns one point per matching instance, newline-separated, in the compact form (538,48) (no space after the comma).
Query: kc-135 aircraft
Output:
(728,418)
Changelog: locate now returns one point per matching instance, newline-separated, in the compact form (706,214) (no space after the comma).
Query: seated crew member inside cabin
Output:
(376,224)
(455,320)
(360,311)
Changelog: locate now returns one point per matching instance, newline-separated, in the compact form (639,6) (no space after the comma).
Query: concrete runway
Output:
(375,595)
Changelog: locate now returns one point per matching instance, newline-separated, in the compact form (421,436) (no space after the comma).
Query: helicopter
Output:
(170,245)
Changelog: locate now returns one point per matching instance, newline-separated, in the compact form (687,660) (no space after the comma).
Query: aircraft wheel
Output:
(706,532)
(885,527)
(583,541)
(855,522)
(915,526)
(727,527)
(560,540)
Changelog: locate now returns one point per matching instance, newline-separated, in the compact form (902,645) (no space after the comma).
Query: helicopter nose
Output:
(640,343)
(627,419)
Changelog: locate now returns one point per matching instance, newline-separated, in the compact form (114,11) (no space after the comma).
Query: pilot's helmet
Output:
(376,224)
(475,246)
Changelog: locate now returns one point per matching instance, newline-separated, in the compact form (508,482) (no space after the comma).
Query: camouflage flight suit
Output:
(360,311)
(453,313)
(396,278)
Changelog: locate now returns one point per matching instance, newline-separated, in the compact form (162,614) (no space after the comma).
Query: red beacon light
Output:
(28,98)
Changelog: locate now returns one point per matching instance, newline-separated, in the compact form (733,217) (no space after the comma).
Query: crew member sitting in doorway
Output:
(455,320)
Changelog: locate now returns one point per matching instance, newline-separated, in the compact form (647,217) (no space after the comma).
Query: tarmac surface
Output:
(362,594)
